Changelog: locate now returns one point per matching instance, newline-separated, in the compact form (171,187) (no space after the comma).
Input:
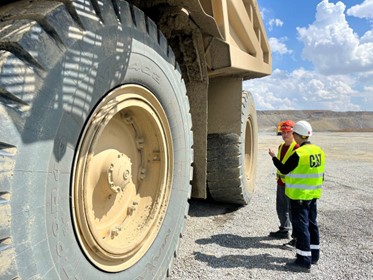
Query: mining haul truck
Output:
(113,114)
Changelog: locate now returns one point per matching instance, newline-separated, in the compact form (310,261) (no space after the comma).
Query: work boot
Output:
(280,234)
(298,267)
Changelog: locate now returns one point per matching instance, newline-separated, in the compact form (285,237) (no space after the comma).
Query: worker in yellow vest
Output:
(304,172)
(282,201)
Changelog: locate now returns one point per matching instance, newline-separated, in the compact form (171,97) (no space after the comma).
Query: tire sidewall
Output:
(249,121)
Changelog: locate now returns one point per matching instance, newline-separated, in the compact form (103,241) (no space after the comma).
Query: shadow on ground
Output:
(238,242)
(209,207)
(262,261)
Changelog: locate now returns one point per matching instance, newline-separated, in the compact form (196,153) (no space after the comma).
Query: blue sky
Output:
(322,56)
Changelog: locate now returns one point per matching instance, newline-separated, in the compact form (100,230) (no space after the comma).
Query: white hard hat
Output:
(303,128)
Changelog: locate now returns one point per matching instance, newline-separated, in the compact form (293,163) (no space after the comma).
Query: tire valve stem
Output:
(132,208)
(156,156)
(115,232)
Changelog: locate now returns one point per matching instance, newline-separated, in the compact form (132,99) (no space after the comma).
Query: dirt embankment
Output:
(319,119)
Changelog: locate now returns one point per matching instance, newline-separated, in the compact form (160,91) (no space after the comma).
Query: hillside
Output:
(319,119)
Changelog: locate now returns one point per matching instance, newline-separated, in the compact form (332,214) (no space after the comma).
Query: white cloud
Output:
(363,10)
(342,79)
(303,90)
(278,46)
(367,37)
(263,13)
(332,46)
(275,22)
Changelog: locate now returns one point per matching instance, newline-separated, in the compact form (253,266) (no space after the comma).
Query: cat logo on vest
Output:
(315,160)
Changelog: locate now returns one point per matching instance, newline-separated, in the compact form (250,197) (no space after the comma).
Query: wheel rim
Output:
(122,178)
(249,154)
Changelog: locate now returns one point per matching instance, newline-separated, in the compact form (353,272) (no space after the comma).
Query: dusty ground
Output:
(223,242)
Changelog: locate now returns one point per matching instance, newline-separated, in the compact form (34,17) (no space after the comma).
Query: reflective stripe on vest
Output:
(305,181)
(288,153)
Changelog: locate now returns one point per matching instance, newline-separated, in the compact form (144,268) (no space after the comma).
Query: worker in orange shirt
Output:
(282,201)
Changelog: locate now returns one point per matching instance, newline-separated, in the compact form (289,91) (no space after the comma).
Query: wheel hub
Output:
(119,173)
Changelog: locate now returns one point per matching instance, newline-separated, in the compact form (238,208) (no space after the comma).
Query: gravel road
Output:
(221,241)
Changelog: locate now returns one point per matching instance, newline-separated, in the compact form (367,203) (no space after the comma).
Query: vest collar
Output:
(305,143)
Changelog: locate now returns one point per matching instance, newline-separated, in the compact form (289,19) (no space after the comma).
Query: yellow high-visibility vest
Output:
(287,155)
(305,181)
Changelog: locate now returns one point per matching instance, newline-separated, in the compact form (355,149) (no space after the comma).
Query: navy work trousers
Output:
(282,208)
(305,230)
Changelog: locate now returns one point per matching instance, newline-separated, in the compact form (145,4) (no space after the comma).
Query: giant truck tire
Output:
(95,143)
(231,165)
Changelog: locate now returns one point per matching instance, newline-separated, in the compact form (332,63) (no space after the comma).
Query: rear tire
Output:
(232,159)
(70,74)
